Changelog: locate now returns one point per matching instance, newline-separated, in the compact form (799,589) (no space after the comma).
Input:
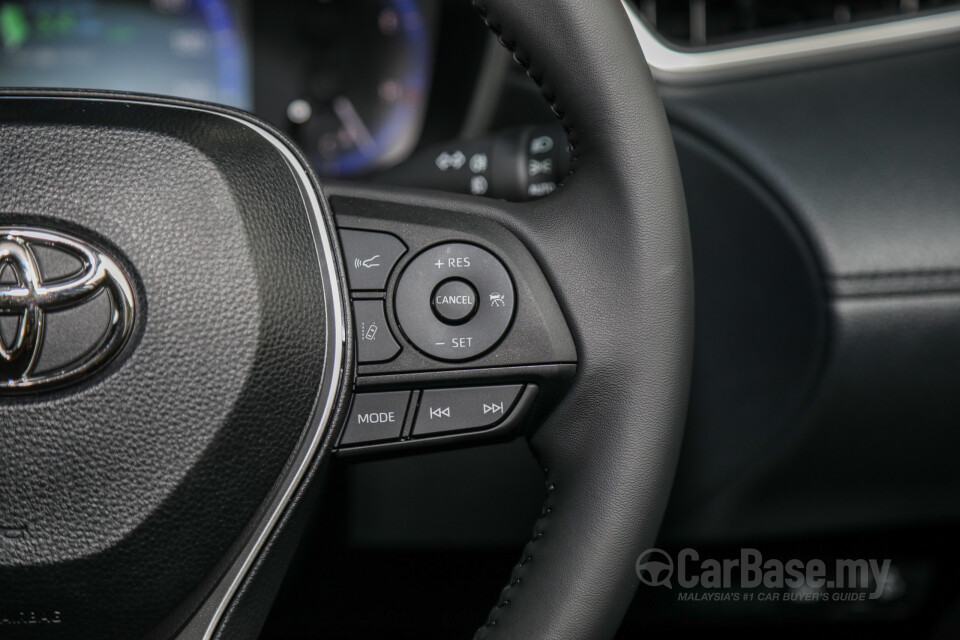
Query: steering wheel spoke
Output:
(459,336)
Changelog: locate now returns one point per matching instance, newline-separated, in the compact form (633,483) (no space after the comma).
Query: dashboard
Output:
(349,81)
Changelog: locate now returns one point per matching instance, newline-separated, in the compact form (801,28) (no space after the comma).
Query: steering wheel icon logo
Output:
(30,300)
(655,568)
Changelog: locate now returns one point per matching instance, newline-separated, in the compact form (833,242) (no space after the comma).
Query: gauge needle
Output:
(354,126)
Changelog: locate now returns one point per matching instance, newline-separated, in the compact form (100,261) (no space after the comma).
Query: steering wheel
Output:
(198,328)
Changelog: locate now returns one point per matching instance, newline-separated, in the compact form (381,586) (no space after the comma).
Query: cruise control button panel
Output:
(457,335)
(374,340)
(447,410)
(376,417)
(429,327)
(370,257)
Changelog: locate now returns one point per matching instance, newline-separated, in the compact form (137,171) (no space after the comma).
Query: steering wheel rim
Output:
(613,243)
(609,451)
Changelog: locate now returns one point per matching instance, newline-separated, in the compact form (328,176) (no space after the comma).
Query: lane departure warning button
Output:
(370,257)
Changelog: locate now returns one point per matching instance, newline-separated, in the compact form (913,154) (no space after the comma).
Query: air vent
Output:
(704,24)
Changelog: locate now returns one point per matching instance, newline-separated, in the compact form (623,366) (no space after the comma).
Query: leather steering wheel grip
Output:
(614,242)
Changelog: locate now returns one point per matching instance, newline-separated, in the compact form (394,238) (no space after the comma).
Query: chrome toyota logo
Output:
(65,308)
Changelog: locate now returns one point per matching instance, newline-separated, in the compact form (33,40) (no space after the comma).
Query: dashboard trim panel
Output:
(671,65)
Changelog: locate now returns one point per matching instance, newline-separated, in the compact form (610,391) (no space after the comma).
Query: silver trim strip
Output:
(333,297)
(205,621)
(674,66)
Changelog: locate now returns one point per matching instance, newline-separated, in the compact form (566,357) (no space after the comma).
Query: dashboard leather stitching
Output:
(913,273)
(524,62)
(846,285)
(895,283)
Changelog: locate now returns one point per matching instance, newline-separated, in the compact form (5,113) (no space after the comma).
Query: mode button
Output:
(375,417)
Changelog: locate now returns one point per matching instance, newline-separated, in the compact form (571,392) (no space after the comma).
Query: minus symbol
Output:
(439,344)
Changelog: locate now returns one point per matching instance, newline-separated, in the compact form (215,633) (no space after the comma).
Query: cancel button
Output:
(454,301)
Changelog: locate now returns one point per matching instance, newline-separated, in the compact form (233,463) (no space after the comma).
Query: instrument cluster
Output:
(349,80)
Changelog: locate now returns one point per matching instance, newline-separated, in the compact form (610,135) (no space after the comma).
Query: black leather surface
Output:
(614,241)
(135,485)
(877,448)
(761,328)
(865,154)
